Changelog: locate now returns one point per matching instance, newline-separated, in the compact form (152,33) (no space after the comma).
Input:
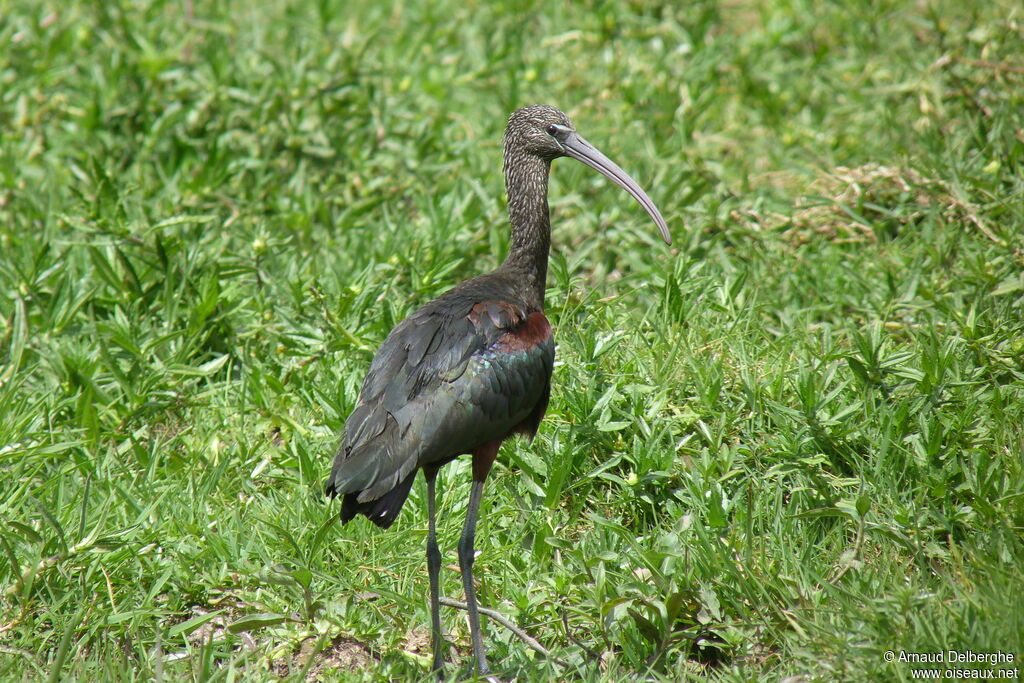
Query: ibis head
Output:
(546,133)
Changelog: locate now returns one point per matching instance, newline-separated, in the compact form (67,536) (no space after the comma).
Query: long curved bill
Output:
(581,150)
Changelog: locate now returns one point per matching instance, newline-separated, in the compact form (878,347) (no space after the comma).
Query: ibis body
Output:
(469,369)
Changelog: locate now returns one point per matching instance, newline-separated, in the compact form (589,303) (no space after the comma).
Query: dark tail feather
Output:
(381,511)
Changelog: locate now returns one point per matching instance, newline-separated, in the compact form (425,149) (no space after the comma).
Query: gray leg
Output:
(434,569)
(466,564)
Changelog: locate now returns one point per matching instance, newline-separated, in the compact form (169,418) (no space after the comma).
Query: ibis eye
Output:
(552,130)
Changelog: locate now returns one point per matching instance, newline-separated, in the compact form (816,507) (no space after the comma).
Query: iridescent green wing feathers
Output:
(451,376)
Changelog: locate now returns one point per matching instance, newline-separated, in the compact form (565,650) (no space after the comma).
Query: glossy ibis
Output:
(469,369)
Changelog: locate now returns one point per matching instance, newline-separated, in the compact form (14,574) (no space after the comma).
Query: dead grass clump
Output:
(868,202)
(340,655)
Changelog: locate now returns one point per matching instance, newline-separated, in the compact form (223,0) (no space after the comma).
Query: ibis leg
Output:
(466,565)
(434,570)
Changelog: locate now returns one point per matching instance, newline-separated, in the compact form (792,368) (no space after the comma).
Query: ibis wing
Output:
(445,380)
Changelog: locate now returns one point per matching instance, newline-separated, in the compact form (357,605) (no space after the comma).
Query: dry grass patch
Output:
(871,201)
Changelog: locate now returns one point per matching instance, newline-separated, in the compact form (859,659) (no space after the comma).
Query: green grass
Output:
(788,444)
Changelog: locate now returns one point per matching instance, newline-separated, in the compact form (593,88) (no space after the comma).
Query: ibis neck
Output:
(526,180)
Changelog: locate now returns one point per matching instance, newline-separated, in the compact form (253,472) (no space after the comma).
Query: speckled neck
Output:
(526,181)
